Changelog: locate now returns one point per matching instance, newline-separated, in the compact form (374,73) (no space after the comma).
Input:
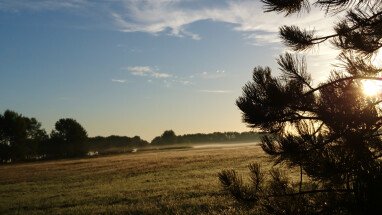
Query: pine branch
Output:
(318,129)
(341,151)
(356,65)
(301,40)
(296,6)
(300,184)
(340,5)
(294,68)
(340,80)
(289,7)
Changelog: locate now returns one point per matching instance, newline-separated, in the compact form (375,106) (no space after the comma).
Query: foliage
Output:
(330,131)
(280,195)
(103,144)
(216,137)
(168,137)
(20,137)
(219,137)
(67,140)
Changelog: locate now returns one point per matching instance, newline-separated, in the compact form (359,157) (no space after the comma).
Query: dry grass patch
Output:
(176,181)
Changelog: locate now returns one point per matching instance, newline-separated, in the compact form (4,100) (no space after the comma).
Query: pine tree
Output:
(330,131)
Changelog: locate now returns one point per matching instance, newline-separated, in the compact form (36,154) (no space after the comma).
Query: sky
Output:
(140,67)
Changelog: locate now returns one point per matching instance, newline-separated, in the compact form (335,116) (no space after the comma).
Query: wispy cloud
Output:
(139,70)
(215,91)
(212,75)
(119,80)
(259,39)
(246,16)
(40,5)
(147,71)
(160,75)
(172,17)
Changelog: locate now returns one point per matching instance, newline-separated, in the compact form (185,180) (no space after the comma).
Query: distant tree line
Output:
(114,144)
(23,139)
(169,137)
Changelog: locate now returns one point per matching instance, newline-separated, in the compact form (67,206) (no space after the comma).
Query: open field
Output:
(172,181)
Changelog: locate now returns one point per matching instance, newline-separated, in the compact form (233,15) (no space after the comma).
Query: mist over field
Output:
(182,181)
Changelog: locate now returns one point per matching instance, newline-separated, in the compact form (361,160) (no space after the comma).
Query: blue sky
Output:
(139,67)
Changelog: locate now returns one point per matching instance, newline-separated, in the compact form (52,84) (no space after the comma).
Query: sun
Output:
(372,88)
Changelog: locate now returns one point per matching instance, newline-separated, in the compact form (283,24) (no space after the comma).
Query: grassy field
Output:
(171,181)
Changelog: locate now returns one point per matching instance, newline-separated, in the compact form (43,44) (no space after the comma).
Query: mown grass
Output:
(173,181)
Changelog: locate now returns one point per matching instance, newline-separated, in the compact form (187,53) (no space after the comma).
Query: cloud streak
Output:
(122,81)
(153,73)
(147,71)
(245,16)
(42,5)
(172,17)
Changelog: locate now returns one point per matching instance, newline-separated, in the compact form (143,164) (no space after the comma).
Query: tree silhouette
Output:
(20,137)
(67,140)
(331,132)
(168,137)
(114,144)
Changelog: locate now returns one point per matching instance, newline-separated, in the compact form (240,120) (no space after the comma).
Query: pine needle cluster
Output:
(331,131)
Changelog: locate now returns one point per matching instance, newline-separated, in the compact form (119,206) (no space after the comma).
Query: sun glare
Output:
(372,88)
(376,59)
